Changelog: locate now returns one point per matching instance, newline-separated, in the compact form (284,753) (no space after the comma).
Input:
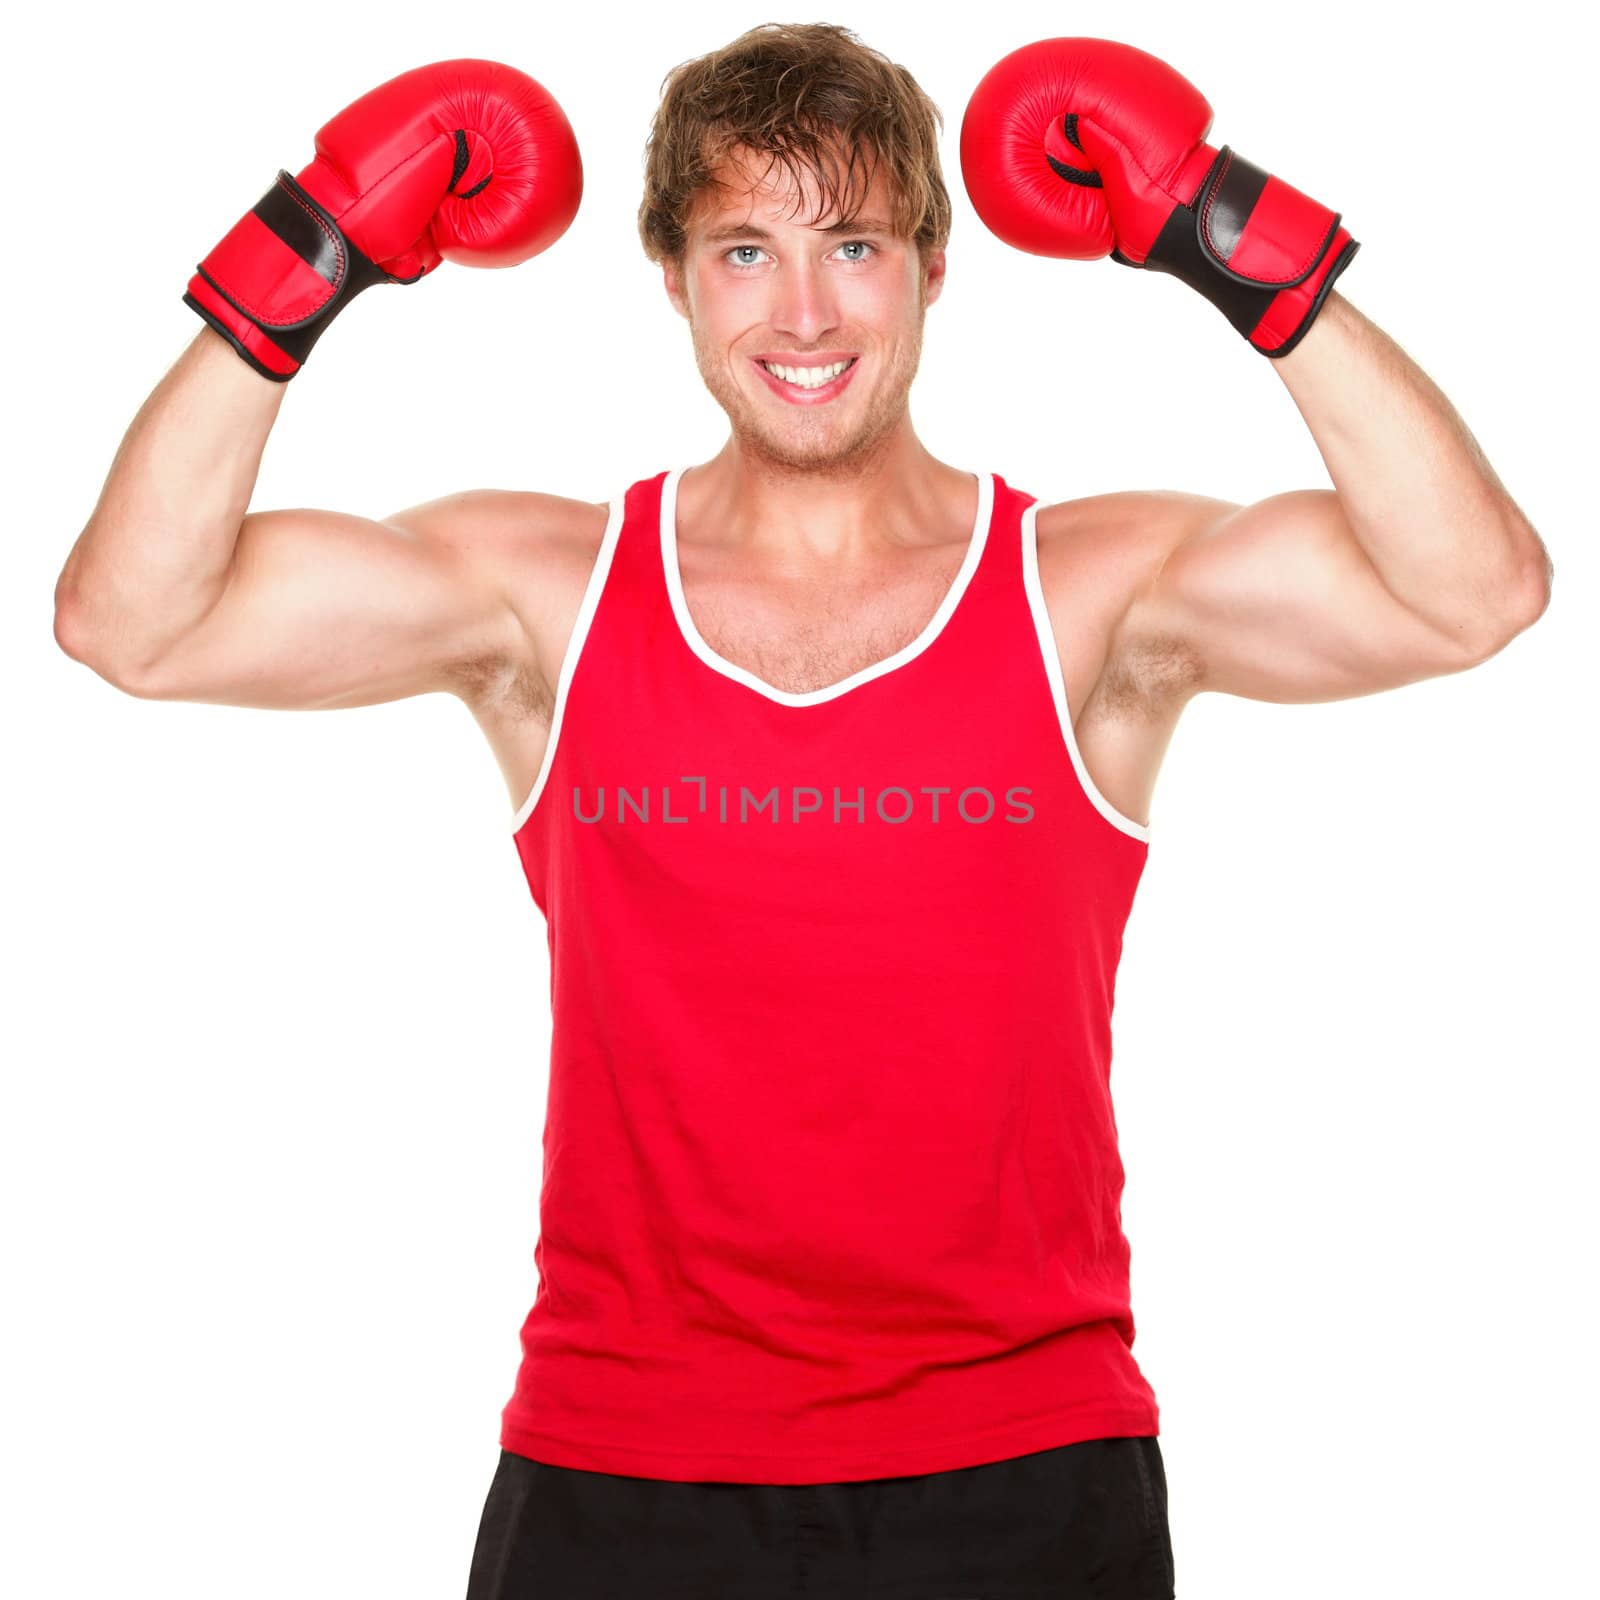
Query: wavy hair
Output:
(804,95)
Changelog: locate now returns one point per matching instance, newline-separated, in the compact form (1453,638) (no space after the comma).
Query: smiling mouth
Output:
(825,378)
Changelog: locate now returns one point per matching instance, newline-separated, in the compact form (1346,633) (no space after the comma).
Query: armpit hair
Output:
(1145,678)
(507,689)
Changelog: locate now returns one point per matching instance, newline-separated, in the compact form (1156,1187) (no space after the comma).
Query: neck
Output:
(835,512)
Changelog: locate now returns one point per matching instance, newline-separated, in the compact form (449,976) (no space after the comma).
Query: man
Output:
(832,764)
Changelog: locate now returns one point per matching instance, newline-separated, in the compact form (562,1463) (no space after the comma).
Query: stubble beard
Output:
(810,440)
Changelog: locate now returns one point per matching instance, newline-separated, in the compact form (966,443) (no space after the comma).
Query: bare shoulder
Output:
(1130,532)
(1099,556)
(506,525)
(537,545)
(535,551)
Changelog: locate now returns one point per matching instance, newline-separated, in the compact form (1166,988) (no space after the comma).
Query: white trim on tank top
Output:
(1031,583)
(935,625)
(569,660)
(1058,687)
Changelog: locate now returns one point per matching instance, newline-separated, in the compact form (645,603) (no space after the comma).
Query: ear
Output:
(672,280)
(935,276)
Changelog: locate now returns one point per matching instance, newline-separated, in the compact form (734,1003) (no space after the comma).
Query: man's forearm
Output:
(155,553)
(1415,488)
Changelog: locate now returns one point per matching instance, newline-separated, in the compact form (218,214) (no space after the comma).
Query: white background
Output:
(277,999)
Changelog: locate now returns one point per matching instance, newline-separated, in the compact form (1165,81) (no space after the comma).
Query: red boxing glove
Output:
(1084,147)
(467,161)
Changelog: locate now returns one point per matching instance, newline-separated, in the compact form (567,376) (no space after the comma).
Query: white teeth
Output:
(807,377)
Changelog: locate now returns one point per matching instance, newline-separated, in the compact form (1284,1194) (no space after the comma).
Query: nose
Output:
(805,307)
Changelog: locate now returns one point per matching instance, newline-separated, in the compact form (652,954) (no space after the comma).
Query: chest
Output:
(803,634)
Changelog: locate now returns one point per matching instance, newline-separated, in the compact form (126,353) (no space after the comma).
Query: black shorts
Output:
(1080,1520)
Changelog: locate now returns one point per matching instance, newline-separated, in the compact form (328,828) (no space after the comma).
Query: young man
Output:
(831,764)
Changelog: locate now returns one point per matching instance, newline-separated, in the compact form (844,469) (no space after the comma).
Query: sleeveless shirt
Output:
(831,1185)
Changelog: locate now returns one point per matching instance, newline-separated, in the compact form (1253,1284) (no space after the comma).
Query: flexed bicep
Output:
(322,609)
(1277,601)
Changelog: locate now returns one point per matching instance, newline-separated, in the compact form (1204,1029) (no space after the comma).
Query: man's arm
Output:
(174,592)
(1417,563)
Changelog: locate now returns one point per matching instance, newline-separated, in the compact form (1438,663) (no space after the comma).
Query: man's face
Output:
(764,276)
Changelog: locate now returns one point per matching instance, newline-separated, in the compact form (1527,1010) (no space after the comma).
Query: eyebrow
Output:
(733,230)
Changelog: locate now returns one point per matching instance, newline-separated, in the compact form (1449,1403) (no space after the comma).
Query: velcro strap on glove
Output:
(1258,249)
(278,277)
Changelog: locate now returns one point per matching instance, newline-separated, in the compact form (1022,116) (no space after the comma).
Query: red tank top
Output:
(831,1183)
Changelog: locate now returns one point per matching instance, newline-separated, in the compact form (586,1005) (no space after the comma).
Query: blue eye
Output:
(746,266)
